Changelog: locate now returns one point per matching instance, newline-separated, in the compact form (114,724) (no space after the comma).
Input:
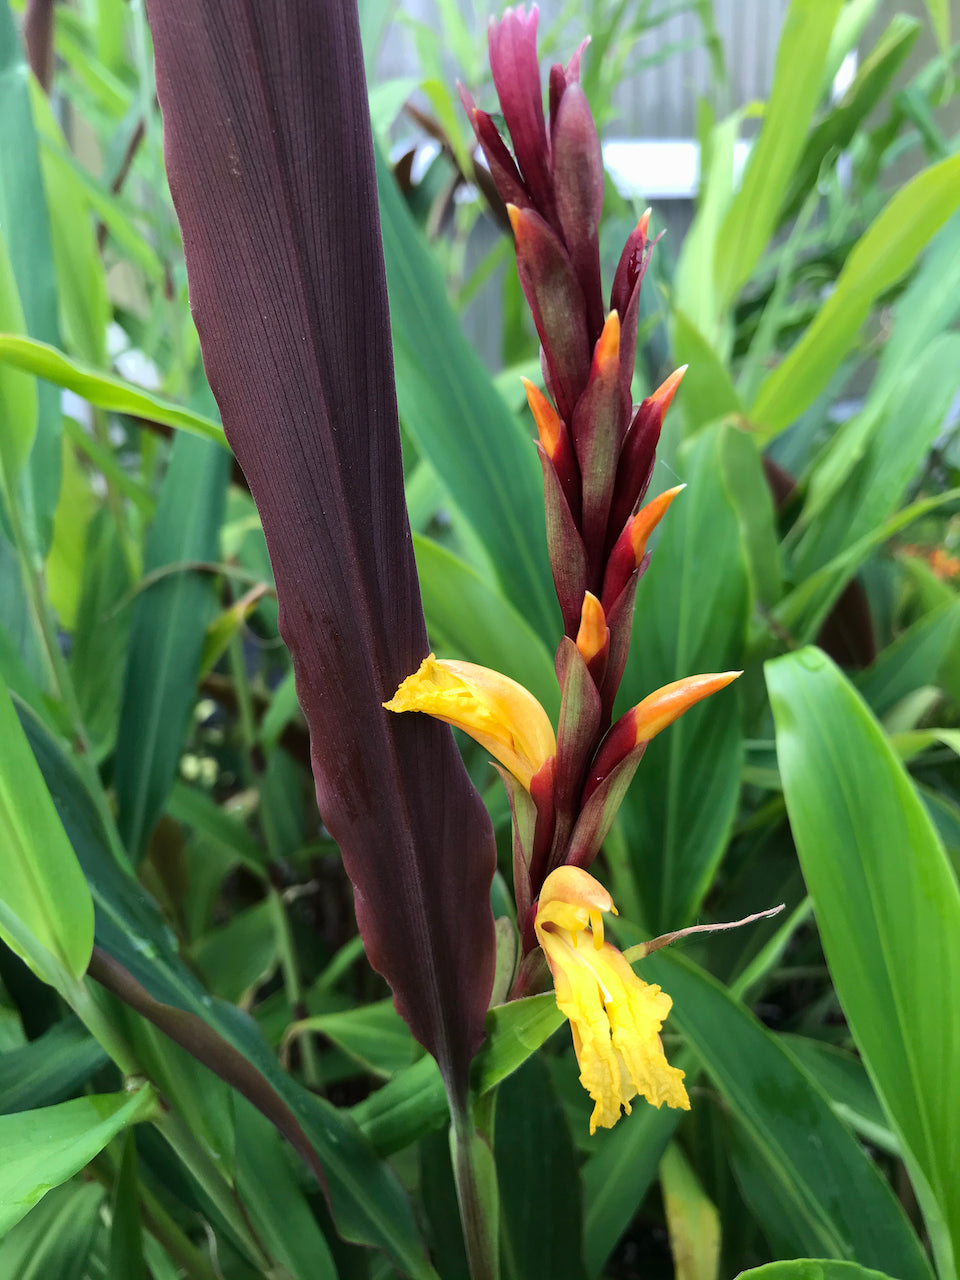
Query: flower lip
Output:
(615,1018)
(494,710)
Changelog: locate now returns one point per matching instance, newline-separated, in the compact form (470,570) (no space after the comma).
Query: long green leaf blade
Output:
(43,1148)
(883,255)
(103,389)
(752,218)
(888,909)
(831,1198)
(46,912)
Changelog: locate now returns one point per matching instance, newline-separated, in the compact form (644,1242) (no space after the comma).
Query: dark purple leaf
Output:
(269,154)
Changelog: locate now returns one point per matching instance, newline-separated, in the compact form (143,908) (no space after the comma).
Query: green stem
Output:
(475,1175)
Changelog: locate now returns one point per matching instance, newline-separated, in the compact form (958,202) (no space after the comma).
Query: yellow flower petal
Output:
(493,709)
(615,1017)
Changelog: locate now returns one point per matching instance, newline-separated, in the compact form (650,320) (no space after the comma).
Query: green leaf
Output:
(126,1233)
(207,818)
(914,660)
(49,1068)
(43,1148)
(883,255)
(838,127)
(802,613)
(617,1176)
(18,392)
(939,12)
(55,1238)
(693,606)
(888,910)
(832,1197)
(413,1102)
(752,217)
(46,913)
(101,636)
(812,1269)
(468,618)
(104,389)
(85,310)
(750,494)
(367,1202)
(850,498)
(844,1079)
(240,954)
(374,1035)
(692,1218)
(167,630)
(459,423)
(707,393)
(695,287)
(272,1195)
(25,226)
(540,1229)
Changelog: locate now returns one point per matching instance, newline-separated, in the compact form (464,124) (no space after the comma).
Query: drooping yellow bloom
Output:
(493,709)
(615,1018)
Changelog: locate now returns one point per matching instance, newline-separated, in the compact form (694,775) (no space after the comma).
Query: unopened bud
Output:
(545,416)
(648,718)
(592,635)
(663,396)
(647,519)
(607,350)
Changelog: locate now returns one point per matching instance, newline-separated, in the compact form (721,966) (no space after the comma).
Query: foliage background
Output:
(155,765)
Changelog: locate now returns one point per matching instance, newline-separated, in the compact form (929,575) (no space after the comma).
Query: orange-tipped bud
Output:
(643,226)
(630,548)
(664,706)
(644,721)
(545,416)
(513,213)
(668,389)
(607,350)
(592,635)
(647,519)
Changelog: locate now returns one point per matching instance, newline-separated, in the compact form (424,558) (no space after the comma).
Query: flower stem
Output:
(476,1178)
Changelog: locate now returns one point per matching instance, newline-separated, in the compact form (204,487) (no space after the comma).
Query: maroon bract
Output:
(268,149)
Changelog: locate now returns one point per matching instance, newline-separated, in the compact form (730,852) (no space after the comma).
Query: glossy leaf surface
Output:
(46,913)
(43,1148)
(888,910)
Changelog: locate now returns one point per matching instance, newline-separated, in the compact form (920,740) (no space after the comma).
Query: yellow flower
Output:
(615,1018)
(493,709)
